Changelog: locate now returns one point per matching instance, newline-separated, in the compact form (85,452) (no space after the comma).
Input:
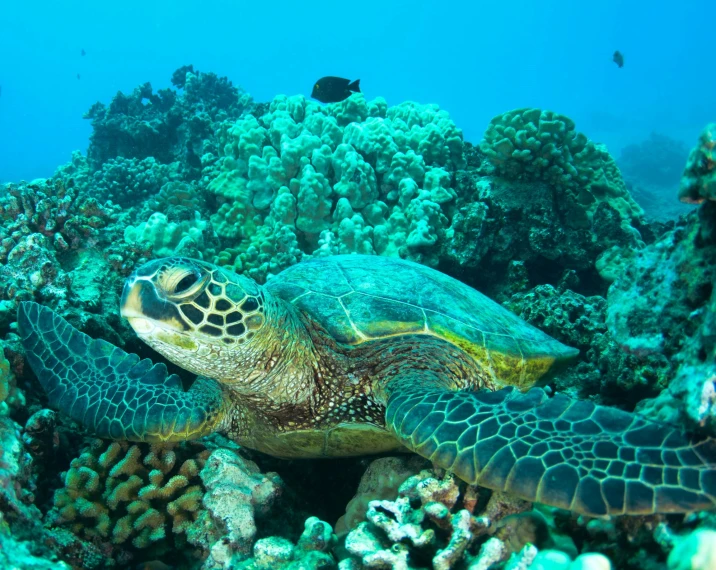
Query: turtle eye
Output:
(182,283)
(186,282)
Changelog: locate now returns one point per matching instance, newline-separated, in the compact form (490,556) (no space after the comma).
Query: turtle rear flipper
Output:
(570,454)
(112,393)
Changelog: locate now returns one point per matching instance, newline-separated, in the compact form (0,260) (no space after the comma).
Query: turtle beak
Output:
(130,304)
(130,307)
(145,310)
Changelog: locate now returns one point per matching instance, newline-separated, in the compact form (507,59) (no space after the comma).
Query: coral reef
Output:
(531,144)
(662,307)
(136,502)
(14,554)
(120,493)
(699,180)
(56,211)
(352,177)
(537,217)
(508,236)
(168,127)
(605,369)
(169,238)
(130,181)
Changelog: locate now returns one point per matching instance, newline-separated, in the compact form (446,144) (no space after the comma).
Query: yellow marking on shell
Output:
(355,328)
(505,369)
(398,328)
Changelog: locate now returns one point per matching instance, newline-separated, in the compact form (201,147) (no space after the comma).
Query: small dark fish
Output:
(334,89)
(78,76)
(83,52)
(618,58)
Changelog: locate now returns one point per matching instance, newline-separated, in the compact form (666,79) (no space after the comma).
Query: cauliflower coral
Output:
(351,177)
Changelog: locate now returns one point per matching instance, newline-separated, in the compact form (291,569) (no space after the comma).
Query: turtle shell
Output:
(361,298)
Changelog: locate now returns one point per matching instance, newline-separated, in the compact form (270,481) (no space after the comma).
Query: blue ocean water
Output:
(475,59)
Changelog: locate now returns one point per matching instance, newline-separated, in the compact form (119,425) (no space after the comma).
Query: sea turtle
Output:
(355,354)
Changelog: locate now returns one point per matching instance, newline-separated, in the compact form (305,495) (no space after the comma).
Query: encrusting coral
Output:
(53,209)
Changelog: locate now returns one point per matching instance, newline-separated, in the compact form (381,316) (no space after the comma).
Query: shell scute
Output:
(359,298)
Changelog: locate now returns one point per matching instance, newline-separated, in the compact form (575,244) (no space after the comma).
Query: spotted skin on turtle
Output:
(360,354)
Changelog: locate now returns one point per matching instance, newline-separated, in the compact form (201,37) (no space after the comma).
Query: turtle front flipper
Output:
(575,455)
(112,393)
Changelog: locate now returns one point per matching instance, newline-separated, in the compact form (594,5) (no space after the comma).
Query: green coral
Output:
(532,144)
(356,176)
(132,494)
(699,180)
(166,237)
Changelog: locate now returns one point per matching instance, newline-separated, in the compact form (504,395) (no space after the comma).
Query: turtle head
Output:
(202,317)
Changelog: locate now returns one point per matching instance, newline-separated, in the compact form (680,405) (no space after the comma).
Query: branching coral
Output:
(123,493)
(431,521)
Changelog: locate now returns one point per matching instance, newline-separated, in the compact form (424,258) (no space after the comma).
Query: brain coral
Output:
(351,177)
(532,144)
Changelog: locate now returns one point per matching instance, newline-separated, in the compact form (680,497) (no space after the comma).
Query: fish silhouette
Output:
(334,89)
(618,58)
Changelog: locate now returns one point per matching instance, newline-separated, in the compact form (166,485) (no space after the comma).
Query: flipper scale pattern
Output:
(565,453)
(112,393)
